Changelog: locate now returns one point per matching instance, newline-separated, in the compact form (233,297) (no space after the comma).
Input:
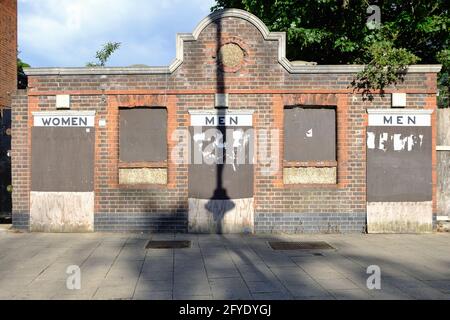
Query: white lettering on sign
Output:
(63,121)
(215,120)
(396,141)
(408,120)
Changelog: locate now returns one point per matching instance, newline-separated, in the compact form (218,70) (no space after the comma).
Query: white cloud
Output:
(69,32)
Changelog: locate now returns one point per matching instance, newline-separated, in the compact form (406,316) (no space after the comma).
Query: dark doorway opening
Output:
(5,166)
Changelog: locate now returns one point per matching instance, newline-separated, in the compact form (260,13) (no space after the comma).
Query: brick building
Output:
(8,51)
(231,137)
(8,85)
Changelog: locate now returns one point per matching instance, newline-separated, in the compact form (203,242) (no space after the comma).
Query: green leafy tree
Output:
(104,54)
(386,65)
(443,57)
(22,80)
(338,32)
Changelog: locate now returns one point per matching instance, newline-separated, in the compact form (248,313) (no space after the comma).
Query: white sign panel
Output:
(392,119)
(64,120)
(216,120)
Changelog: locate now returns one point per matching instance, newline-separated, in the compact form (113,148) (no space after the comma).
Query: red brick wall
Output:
(8,51)
(261,84)
(20,158)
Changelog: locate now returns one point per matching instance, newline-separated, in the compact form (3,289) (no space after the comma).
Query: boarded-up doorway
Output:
(62,172)
(399,171)
(5,165)
(221,172)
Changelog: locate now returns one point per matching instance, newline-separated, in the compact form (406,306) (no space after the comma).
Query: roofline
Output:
(349,68)
(182,37)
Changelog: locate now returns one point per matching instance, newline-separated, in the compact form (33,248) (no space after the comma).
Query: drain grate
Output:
(168,244)
(303,245)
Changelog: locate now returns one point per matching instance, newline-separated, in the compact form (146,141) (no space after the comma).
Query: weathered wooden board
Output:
(443,127)
(221,163)
(443,163)
(399,166)
(309,134)
(399,217)
(142,176)
(443,183)
(62,159)
(62,211)
(221,216)
(143,134)
(310,175)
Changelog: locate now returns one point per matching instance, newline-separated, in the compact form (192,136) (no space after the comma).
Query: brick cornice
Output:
(213,91)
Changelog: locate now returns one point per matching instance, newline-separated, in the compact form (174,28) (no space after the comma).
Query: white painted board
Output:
(214,120)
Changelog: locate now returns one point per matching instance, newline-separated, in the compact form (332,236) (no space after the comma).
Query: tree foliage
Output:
(22,79)
(337,32)
(104,54)
(387,65)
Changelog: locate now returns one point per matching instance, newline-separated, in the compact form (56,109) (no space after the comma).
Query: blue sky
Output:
(67,33)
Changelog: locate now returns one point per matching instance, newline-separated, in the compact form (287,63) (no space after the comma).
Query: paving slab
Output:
(351,294)
(152,295)
(305,291)
(154,285)
(425,293)
(229,288)
(117,266)
(192,287)
(114,292)
(272,296)
(337,284)
(441,285)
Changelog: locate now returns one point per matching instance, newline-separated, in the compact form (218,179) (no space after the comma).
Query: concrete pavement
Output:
(117,266)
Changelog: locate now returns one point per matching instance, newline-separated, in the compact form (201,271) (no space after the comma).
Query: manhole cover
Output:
(304,245)
(170,244)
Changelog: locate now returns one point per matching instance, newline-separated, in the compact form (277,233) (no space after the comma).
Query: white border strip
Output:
(442,148)
(198,117)
(182,37)
(64,113)
(65,119)
(227,120)
(399,117)
(221,111)
(400,111)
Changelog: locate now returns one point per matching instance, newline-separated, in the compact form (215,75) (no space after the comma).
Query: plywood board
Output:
(142,176)
(62,211)
(443,162)
(399,217)
(221,216)
(309,175)
(143,134)
(221,164)
(309,134)
(399,164)
(443,127)
(443,183)
(62,159)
